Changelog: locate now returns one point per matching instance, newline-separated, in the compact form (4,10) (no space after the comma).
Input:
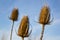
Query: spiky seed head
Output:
(44,15)
(14,15)
(24,27)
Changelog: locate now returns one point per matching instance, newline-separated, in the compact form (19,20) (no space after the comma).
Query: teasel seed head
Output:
(24,27)
(44,15)
(14,15)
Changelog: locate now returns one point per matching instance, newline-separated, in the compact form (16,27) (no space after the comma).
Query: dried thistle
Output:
(44,15)
(14,17)
(44,18)
(24,27)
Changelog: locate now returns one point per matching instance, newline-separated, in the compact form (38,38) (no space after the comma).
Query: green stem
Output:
(11,31)
(43,26)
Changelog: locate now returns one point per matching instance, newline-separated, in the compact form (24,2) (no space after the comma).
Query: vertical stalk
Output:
(11,31)
(43,26)
(22,38)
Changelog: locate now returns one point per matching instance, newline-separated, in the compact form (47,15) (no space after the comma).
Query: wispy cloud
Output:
(52,38)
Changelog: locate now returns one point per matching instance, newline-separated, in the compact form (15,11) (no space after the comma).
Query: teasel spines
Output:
(14,15)
(44,15)
(23,30)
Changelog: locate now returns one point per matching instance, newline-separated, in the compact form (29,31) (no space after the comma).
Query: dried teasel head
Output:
(14,15)
(24,27)
(44,15)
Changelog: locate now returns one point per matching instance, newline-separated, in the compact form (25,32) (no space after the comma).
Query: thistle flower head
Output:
(44,15)
(14,15)
(24,27)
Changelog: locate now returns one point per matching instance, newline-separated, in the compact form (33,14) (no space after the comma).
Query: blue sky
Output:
(31,8)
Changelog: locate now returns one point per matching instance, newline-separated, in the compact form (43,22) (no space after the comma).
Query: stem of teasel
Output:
(22,38)
(11,31)
(43,27)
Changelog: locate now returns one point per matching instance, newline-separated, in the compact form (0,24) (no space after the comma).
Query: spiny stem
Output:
(11,31)
(43,26)
(22,38)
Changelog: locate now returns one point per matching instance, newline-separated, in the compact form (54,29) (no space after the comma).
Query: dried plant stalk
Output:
(43,26)
(22,38)
(11,31)
(24,27)
(14,17)
(44,18)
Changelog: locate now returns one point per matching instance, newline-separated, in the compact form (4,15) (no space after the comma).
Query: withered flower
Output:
(44,18)
(44,15)
(13,17)
(23,30)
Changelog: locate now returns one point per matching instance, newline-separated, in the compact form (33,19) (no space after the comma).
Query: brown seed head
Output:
(24,27)
(44,15)
(14,15)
